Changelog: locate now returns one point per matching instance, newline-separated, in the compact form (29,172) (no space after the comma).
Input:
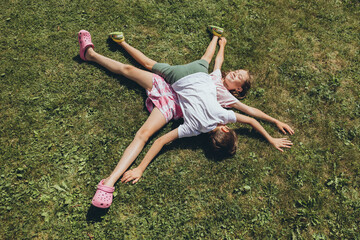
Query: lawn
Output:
(65,123)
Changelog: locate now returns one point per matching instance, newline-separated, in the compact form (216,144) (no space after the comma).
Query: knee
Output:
(206,58)
(143,135)
(126,69)
(149,64)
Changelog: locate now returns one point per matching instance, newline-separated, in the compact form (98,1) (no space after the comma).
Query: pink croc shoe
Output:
(103,196)
(85,42)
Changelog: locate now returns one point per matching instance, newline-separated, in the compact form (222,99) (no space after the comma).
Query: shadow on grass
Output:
(218,156)
(114,47)
(121,79)
(95,214)
(202,142)
(78,59)
(250,133)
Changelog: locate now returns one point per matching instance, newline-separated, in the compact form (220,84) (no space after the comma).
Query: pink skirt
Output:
(164,98)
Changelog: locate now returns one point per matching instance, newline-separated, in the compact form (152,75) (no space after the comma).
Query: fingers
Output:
(282,130)
(286,143)
(285,140)
(290,130)
(283,143)
(278,148)
(222,40)
(135,181)
(286,128)
(127,179)
(128,176)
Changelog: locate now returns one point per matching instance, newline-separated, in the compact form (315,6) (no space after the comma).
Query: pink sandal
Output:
(85,42)
(103,196)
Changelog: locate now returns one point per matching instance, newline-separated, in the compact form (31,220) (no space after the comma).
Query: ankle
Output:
(121,43)
(89,54)
(108,183)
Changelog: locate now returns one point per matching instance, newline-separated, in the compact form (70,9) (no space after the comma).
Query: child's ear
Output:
(224,129)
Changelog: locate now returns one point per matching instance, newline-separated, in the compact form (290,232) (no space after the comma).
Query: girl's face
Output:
(234,80)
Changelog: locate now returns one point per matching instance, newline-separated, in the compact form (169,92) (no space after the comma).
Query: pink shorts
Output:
(164,98)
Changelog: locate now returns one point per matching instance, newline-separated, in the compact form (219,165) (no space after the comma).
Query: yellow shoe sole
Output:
(117,37)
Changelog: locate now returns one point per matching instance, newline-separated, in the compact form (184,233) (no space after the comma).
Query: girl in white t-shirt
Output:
(103,196)
(233,81)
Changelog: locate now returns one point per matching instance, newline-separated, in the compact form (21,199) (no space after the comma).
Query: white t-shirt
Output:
(224,97)
(202,113)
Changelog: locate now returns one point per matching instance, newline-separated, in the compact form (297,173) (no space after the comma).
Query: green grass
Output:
(64,123)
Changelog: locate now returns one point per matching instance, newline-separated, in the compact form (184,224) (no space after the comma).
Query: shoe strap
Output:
(104,188)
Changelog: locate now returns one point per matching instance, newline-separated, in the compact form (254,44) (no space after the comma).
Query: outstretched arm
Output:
(278,143)
(135,174)
(220,55)
(254,112)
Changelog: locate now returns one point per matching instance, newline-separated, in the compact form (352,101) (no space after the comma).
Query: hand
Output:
(132,175)
(222,42)
(279,143)
(284,128)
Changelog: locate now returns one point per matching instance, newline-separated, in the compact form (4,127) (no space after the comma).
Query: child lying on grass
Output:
(202,112)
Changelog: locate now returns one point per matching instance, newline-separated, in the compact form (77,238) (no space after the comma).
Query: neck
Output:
(225,85)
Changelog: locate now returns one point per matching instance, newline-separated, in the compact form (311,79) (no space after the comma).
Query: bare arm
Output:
(254,112)
(136,173)
(278,143)
(220,56)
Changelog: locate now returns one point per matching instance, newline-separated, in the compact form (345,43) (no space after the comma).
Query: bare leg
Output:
(140,57)
(210,51)
(153,124)
(143,78)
